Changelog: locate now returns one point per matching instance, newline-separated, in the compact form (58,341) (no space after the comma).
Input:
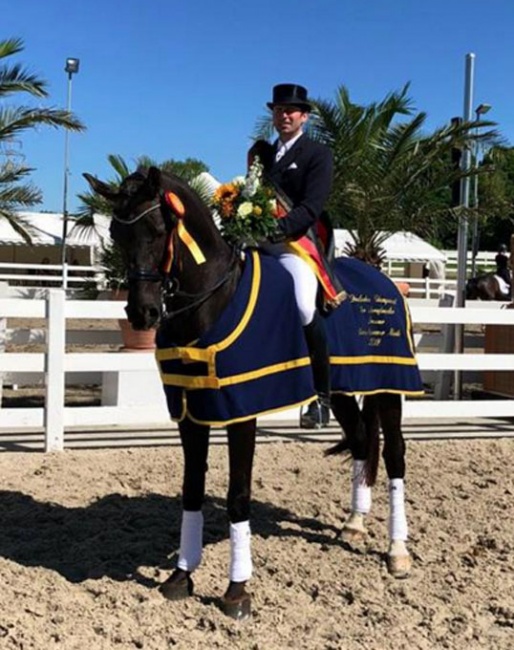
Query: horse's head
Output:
(170,244)
(138,228)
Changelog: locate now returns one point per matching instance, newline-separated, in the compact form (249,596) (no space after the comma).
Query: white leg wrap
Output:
(191,540)
(240,552)
(361,493)
(397,520)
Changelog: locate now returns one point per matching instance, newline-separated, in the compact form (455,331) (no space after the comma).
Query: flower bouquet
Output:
(247,208)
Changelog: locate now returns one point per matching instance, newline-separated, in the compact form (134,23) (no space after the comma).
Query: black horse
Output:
(487,286)
(175,255)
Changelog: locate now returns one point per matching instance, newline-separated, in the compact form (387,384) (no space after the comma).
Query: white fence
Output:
(124,373)
(51,275)
(484,263)
(24,276)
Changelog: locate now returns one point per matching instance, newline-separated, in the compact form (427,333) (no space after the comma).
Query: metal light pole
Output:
(72,67)
(462,239)
(479,110)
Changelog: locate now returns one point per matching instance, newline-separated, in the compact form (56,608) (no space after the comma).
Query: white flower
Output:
(245,209)
(253,179)
(251,186)
(238,180)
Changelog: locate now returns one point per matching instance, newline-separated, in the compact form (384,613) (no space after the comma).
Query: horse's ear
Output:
(101,188)
(154,180)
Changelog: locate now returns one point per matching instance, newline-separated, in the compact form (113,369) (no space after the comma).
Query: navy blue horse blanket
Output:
(254,360)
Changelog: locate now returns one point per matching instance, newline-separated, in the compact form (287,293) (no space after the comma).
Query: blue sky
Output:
(190,78)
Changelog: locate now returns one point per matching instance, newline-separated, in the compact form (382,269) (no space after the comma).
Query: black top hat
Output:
(284,94)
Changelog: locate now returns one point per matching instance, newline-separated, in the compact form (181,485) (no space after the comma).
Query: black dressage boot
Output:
(318,412)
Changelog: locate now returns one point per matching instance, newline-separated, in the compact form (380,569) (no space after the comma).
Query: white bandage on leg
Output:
(191,540)
(361,493)
(240,552)
(397,520)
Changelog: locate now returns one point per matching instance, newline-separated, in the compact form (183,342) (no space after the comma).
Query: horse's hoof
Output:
(177,587)
(349,534)
(240,609)
(399,566)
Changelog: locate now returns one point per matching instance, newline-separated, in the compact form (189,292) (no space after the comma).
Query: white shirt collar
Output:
(283,147)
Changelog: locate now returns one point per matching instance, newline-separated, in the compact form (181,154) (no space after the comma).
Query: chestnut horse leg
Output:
(399,561)
(195,446)
(236,601)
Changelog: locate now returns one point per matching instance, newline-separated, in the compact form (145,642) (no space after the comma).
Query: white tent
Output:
(45,229)
(402,246)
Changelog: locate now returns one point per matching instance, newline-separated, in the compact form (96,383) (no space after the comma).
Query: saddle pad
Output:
(253,361)
(370,335)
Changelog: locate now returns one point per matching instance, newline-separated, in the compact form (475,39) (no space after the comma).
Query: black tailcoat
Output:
(305,175)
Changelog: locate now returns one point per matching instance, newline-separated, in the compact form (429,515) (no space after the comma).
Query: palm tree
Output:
(388,174)
(91,204)
(15,190)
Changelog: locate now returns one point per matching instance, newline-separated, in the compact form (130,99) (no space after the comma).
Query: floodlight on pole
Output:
(71,67)
(482,109)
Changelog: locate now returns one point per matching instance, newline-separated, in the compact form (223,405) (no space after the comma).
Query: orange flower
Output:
(225,192)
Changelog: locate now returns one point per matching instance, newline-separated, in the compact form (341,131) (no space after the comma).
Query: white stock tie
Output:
(280,153)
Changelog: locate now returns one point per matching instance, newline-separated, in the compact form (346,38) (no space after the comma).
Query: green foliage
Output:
(111,258)
(390,174)
(496,198)
(16,192)
(114,267)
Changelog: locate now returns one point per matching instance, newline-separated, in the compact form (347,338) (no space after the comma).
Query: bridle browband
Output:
(170,286)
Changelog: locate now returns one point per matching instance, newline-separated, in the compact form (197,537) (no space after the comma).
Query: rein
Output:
(198,298)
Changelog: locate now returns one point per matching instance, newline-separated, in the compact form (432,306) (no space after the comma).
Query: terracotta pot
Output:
(133,339)
(403,287)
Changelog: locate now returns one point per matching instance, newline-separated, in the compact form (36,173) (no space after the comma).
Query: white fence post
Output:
(54,370)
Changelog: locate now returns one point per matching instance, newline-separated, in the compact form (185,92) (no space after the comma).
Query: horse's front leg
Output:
(241,449)
(399,561)
(195,446)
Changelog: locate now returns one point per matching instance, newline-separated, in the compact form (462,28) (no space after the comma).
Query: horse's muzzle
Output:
(144,317)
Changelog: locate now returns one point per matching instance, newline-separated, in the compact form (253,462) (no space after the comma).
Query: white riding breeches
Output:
(305,285)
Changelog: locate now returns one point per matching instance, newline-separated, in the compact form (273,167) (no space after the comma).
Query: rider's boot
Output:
(318,412)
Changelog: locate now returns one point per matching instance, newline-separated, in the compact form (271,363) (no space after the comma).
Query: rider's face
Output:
(288,121)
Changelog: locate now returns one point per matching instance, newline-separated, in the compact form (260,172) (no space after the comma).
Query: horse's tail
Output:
(340,448)
(367,438)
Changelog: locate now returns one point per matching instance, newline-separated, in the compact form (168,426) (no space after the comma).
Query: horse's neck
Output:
(192,323)
(196,278)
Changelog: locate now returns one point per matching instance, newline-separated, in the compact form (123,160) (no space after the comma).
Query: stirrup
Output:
(316,416)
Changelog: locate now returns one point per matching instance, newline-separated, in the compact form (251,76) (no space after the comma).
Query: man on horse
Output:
(301,171)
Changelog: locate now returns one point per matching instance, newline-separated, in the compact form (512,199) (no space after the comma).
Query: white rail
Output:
(54,364)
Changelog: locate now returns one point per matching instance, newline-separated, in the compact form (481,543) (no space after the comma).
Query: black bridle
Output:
(170,285)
